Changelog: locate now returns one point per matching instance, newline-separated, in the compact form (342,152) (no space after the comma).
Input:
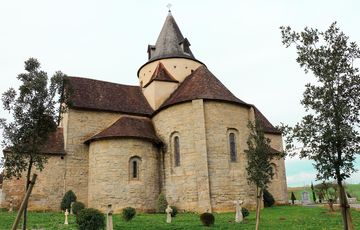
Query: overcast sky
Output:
(239,41)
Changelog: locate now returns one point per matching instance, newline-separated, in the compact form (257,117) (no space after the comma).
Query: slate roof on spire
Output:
(161,74)
(170,43)
(201,84)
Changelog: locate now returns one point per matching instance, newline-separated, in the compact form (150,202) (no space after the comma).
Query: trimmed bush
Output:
(174,211)
(128,213)
(161,204)
(207,219)
(77,207)
(67,199)
(245,212)
(90,219)
(268,199)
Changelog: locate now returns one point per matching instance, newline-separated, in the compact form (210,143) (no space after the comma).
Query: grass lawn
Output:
(282,217)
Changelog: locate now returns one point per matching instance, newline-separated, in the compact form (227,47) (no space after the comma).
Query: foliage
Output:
(90,219)
(268,199)
(293,198)
(245,212)
(174,211)
(128,213)
(161,204)
(313,192)
(278,217)
(327,190)
(330,130)
(35,110)
(259,168)
(77,207)
(259,156)
(207,219)
(67,199)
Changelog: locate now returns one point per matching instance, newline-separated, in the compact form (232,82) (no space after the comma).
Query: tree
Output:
(35,109)
(313,192)
(329,131)
(328,191)
(259,168)
(293,198)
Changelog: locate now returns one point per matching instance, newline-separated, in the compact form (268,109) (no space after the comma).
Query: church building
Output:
(180,132)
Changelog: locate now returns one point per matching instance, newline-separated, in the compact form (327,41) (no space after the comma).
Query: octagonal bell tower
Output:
(170,61)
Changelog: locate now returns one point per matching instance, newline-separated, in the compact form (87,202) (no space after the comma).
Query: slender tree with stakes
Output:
(35,109)
(259,158)
(329,132)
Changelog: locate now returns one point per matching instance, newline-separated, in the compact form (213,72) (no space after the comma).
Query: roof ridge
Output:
(91,79)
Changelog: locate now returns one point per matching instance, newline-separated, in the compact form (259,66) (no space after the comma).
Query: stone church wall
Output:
(110,179)
(227,179)
(47,192)
(185,186)
(81,125)
(278,186)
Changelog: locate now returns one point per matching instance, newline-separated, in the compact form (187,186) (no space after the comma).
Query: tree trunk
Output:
(258,206)
(27,187)
(345,208)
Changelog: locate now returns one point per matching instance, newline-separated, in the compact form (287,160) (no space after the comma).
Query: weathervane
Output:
(169,6)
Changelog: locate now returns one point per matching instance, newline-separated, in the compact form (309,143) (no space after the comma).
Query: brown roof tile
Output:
(201,84)
(135,127)
(161,74)
(54,145)
(100,95)
(267,126)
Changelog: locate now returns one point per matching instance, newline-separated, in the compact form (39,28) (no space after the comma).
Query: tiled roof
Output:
(126,127)
(267,126)
(54,145)
(105,96)
(161,74)
(201,84)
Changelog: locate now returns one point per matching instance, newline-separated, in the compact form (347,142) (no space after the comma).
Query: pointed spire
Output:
(170,43)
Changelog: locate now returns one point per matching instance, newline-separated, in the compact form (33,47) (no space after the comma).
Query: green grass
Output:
(282,217)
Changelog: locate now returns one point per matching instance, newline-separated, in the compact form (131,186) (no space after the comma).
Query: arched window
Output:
(134,168)
(176,151)
(232,147)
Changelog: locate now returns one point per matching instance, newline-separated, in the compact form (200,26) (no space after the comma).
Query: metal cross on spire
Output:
(169,6)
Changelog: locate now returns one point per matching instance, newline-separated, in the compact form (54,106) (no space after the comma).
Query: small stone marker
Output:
(71,208)
(109,221)
(11,208)
(168,211)
(305,197)
(238,215)
(66,217)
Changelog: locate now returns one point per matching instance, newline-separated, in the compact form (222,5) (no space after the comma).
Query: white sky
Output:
(239,41)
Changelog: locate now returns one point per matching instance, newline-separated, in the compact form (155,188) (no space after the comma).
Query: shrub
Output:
(161,204)
(207,219)
(67,199)
(77,207)
(174,211)
(268,199)
(245,212)
(90,219)
(128,213)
